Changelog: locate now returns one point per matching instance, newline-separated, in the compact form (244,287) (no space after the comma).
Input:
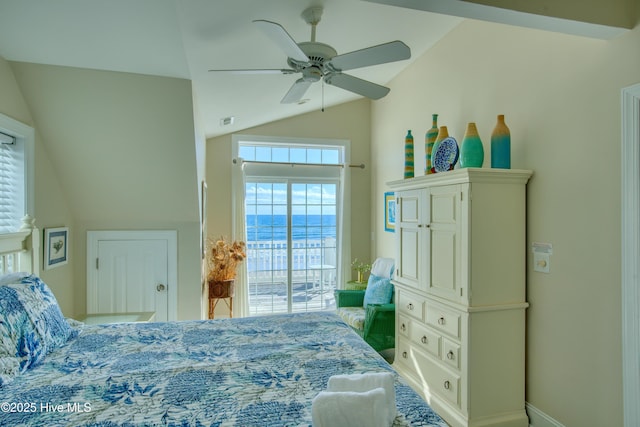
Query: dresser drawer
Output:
(405,355)
(411,304)
(404,325)
(425,339)
(440,380)
(444,319)
(451,353)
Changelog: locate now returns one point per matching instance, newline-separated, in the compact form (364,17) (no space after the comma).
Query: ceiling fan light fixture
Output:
(312,74)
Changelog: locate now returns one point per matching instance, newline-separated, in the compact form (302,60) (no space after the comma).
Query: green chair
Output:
(371,313)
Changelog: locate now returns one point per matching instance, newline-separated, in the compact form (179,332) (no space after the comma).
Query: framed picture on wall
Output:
(56,247)
(389,211)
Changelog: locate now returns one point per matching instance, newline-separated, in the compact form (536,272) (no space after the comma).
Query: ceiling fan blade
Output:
(374,55)
(296,92)
(280,36)
(256,71)
(356,85)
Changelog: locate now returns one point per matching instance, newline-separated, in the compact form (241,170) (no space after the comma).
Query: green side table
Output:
(355,286)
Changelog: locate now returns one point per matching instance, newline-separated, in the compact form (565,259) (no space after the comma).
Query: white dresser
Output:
(460,293)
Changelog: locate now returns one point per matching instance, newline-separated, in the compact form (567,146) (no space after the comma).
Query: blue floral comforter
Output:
(260,371)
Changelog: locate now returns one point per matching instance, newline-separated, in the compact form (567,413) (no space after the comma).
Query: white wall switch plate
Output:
(541,256)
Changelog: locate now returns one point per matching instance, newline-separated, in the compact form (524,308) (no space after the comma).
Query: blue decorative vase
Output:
(443,133)
(501,145)
(471,150)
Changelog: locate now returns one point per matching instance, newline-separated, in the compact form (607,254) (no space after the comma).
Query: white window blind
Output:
(12,184)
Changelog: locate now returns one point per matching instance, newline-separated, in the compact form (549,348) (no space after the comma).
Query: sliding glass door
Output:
(292,240)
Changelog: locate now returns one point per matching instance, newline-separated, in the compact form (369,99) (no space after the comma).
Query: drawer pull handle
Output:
(424,339)
(403,327)
(404,354)
(447,385)
(450,355)
(441,320)
(410,306)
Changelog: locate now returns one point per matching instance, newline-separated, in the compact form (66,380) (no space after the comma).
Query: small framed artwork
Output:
(389,211)
(56,245)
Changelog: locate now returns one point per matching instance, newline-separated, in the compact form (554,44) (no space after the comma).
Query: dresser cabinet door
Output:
(412,238)
(445,242)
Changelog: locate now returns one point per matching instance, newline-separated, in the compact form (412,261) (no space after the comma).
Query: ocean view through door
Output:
(291,246)
(292,215)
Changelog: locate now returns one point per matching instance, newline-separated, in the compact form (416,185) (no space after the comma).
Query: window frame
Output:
(25,140)
(339,171)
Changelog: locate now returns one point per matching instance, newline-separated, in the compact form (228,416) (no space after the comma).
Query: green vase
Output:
(501,145)
(429,140)
(408,155)
(471,150)
(442,134)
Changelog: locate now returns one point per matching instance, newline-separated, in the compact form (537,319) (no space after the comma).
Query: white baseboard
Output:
(537,418)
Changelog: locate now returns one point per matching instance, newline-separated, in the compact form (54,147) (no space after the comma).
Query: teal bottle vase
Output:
(429,140)
(471,150)
(501,145)
(408,156)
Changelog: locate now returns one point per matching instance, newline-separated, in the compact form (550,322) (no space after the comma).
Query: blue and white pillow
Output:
(31,325)
(379,290)
(20,344)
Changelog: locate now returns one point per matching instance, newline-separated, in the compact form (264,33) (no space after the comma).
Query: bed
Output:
(259,371)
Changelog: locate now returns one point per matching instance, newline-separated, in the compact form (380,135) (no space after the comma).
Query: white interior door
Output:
(130,272)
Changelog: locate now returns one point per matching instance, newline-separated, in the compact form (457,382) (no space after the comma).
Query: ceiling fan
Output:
(316,61)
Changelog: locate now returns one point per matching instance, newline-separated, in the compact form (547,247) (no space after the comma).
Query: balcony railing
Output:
(312,275)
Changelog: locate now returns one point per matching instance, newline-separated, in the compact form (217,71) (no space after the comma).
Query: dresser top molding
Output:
(459,176)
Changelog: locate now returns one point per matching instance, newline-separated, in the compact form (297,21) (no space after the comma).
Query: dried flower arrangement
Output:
(223,258)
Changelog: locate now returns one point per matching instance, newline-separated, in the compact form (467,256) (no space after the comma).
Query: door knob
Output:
(160,287)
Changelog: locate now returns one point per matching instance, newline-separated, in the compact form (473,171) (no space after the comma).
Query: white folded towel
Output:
(365,382)
(383,267)
(350,409)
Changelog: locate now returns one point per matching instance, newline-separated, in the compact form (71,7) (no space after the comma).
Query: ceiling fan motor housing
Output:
(318,54)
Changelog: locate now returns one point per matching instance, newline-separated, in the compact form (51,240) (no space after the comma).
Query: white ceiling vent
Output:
(226,121)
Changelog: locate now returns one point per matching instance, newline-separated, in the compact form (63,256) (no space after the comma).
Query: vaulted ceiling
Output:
(186,38)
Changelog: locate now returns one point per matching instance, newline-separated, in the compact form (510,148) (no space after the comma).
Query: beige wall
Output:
(349,121)
(124,150)
(561,98)
(612,12)
(51,208)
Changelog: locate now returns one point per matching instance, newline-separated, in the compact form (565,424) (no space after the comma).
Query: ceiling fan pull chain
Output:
(323,95)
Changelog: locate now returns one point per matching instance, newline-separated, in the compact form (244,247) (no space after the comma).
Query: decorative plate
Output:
(446,155)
